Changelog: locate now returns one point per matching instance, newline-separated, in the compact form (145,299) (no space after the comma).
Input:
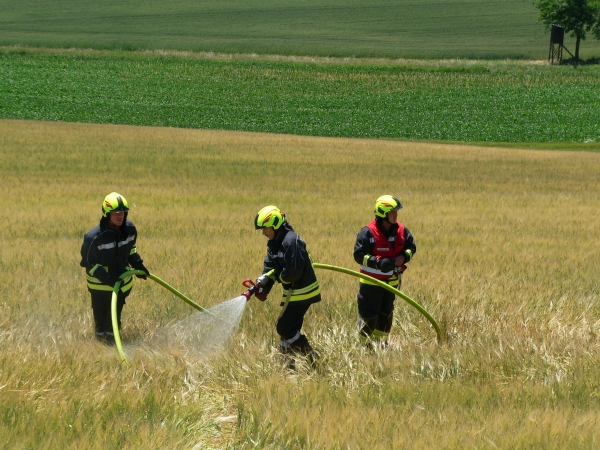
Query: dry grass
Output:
(507,263)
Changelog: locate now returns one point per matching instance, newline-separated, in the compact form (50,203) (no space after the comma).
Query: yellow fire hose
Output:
(389,288)
(167,286)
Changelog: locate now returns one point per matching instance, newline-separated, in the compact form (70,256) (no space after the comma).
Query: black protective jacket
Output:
(288,255)
(108,252)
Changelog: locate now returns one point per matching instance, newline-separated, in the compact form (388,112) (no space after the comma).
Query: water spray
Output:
(200,336)
(164,284)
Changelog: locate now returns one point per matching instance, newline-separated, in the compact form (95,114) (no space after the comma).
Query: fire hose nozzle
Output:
(252,288)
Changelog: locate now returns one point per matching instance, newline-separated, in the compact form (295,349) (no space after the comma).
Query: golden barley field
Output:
(506,262)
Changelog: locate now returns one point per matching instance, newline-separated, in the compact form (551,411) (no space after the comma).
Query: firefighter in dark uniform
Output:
(382,248)
(109,250)
(288,256)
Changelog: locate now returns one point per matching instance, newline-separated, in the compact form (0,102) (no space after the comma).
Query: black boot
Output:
(303,347)
(289,362)
(110,339)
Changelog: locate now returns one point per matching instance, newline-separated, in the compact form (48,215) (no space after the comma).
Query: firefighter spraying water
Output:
(289,264)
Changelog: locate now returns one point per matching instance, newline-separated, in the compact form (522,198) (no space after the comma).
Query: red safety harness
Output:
(384,247)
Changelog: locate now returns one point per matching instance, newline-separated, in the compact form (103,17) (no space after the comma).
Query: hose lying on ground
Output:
(389,288)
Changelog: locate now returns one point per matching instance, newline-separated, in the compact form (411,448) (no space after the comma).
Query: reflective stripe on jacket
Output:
(97,285)
(288,255)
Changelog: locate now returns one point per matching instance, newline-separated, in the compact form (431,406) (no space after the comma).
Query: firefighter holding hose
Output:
(288,262)
(109,250)
(383,248)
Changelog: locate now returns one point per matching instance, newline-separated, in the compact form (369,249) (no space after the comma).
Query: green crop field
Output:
(507,263)
(489,102)
(382,28)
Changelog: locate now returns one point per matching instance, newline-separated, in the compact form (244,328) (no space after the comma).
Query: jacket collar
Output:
(285,229)
(104,226)
(391,232)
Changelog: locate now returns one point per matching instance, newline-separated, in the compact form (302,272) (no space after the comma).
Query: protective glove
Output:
(261,294)
(400,260)
(143,268)
(385,265)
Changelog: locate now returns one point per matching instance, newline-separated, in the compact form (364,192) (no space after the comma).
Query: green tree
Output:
(577,16)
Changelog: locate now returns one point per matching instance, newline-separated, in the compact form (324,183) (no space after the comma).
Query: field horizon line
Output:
(540,146)
(265,57)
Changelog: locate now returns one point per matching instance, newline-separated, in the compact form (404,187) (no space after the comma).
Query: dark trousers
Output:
(289,326)
(292,319)
(101,305)
(375,308)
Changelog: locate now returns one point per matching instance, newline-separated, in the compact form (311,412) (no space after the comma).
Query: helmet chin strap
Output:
(386,223)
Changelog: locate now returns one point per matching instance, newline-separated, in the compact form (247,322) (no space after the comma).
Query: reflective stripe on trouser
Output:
(286,344)
(305,293)
(95,284)
(375,328)
(379,335)
(102,334)
(298,344)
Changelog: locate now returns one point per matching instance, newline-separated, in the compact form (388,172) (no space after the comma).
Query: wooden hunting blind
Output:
(557,37)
